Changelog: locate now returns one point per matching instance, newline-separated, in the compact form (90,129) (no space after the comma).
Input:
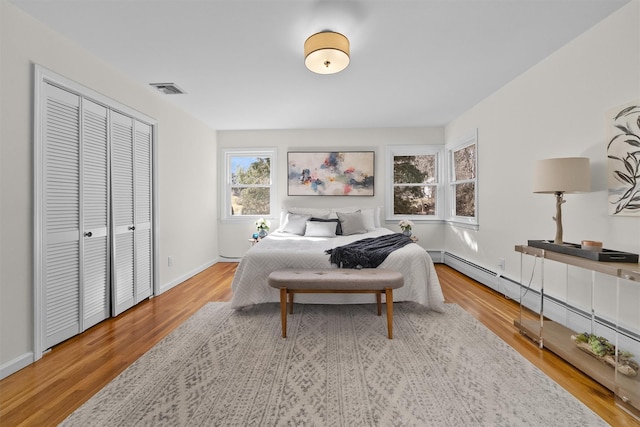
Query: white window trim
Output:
(225,183)
(413,150)
(465,222)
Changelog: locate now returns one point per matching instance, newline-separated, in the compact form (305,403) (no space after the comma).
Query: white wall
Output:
(555,109)
(186,170)
(233,237)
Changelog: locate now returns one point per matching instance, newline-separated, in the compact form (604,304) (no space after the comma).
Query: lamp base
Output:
(605,255)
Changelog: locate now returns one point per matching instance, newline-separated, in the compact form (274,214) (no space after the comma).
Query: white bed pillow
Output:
(295,224)
(377,211)
(334,221)
(320,229)
(368,217)
(352,223)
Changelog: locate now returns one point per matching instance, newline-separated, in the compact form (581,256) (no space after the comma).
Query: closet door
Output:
(60,204)
(75,254)
(95,278)
(122,193)
(143,248)
(131,195)
(93,239)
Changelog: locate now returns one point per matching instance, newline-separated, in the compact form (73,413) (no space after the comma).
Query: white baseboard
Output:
(559,311)
(165,287)
(26,359)
(436,256)
(16,364)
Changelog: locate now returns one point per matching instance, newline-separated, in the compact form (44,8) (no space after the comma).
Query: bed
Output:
(284,249)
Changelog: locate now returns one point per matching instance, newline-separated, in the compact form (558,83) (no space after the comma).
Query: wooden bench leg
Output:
(283,310)
(389,295)
(286,298)
(290,302)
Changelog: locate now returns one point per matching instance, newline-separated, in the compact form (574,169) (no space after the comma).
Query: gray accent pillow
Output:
(295,224)
(352,223)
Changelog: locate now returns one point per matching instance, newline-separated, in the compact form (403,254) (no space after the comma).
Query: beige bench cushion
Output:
(336,278)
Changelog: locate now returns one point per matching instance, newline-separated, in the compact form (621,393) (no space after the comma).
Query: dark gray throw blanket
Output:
(367,253)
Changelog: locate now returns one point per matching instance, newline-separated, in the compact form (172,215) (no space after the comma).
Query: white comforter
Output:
(283,250)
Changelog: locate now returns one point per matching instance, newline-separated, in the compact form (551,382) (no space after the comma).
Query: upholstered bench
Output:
(336,280)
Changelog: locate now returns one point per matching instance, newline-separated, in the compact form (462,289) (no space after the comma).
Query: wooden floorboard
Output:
(46,392)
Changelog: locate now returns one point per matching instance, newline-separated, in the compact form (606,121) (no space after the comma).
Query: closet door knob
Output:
(132,227)
(88,234)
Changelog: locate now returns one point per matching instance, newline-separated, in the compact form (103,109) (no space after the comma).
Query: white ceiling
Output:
(413,63)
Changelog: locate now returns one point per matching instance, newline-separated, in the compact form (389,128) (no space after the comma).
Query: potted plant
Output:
(405,226)
(262,225)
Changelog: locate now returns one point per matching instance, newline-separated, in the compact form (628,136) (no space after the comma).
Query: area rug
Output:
(336,368)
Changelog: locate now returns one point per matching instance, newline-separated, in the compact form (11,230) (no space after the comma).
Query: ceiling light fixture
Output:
(326,52)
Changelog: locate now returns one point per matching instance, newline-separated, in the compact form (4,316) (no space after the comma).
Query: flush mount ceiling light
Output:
(326,52)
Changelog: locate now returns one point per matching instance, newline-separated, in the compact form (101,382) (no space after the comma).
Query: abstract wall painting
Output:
(335,173)
(623,160)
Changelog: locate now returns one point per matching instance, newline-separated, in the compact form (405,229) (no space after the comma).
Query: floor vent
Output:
(168,88)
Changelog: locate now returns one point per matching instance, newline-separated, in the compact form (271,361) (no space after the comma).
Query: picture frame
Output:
(330,173)
(623,164)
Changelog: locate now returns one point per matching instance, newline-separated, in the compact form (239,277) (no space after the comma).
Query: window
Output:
(415,174)
(248,184)
(463,182)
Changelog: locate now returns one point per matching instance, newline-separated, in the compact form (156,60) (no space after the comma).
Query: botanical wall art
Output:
(337,173)
(623,163)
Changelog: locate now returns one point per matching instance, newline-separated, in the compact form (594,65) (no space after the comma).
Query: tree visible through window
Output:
(250,182)
(463,181)
(426,188)
(249,178)
(415,184)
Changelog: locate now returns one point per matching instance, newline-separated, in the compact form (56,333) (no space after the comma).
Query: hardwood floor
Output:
(46,392)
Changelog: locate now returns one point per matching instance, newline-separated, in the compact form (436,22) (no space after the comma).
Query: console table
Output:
(557,338)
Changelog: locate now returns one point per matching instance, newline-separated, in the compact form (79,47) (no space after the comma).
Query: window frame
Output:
(225,205)
(416,150)
(451,217)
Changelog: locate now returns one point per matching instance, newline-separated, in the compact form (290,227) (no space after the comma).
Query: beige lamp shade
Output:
(326,52)
(562,175)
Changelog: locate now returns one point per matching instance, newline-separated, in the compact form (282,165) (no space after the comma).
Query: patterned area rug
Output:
(336,368)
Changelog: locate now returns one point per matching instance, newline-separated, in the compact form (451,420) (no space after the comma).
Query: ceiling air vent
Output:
(168,88)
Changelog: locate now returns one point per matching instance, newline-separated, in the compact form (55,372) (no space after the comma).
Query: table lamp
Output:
(559,176)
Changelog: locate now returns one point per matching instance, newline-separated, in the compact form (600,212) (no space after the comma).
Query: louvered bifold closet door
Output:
(96,286)
(142,200)
(60,251)
(122,192)
(93,204)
